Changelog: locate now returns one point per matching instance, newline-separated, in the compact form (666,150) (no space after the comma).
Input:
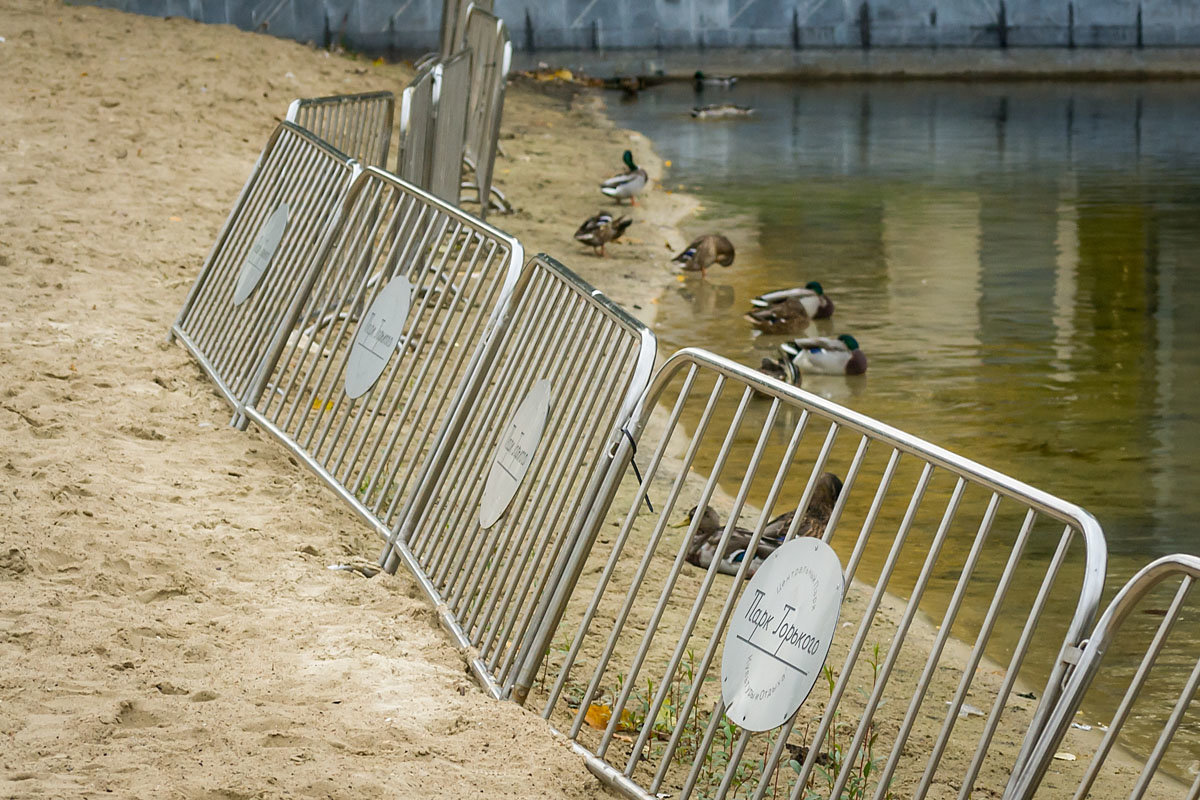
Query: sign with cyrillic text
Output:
(515,453)
(261,252)
(378,336)
(780,634)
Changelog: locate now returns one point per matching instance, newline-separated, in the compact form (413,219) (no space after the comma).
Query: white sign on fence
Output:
(261,253)
(378,336)
(780,634)
(515,453)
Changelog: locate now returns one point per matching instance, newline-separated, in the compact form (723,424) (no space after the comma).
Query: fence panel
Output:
(491,56)
(950,569)
(360,125)
(1150,745)
(260,256)
(376,351)
(490,527)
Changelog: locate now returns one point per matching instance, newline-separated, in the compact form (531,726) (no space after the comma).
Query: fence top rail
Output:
(994,480)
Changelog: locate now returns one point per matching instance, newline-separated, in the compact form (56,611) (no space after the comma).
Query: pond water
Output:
(1019,262)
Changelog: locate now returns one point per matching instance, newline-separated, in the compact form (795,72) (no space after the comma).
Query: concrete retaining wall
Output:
(411,26)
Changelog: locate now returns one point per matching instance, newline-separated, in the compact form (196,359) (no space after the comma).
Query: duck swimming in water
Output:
(789,310)
(781,369)
(722,111)
(704,251)
(719,81)
(827,356)
(628,183)
(601,228)
(702,550)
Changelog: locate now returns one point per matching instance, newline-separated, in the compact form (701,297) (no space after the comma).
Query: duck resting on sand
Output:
(704,251)
(702,550)
(721,111)
(789,310)
(827,356)
(601,228)
(628,183)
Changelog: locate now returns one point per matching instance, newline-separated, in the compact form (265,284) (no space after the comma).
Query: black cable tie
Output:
(636,472)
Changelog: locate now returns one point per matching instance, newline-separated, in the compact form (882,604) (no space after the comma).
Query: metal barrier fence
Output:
(374,352)
(489,528)
(416,126)
(257,264)
(491,56)
(1161,697)
(922,693)
(360,125)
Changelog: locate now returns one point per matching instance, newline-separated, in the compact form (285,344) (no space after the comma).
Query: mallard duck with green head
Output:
(789,310)
(827,356)
(601,228)
(704,251)
(702,550)
(628,183)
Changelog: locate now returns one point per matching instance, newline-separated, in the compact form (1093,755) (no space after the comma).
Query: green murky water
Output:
(1021,264)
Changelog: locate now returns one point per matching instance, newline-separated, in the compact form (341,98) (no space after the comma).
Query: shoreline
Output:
(883,63)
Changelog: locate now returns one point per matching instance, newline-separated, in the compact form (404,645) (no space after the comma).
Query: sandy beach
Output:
(169,626)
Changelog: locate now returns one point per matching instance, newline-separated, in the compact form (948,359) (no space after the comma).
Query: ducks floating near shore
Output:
(628,183)
(702,550)
(722,111)
(601,228)
(704,251)
(789,310)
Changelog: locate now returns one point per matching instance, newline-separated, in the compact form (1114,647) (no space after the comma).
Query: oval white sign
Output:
(515,453)
(379,334)
(780,634)
(261,253)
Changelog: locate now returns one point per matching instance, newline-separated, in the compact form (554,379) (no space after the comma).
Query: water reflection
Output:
(1019,262)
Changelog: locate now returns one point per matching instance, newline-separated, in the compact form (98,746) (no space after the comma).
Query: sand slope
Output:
(168,624)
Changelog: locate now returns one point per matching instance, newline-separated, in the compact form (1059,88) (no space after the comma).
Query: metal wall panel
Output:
(359,125)
(370,447)
(489,572)
(1161,695)
(299,177)
(921,680)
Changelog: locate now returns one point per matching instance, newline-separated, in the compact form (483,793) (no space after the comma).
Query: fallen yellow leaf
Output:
(598,716)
